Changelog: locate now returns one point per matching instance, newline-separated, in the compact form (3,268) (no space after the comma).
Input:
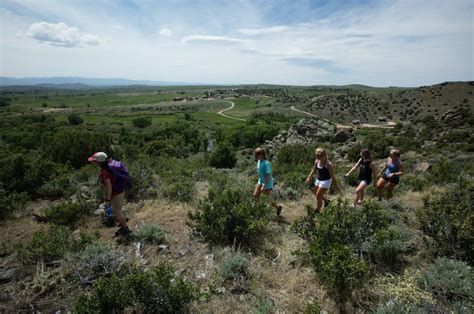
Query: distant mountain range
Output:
(80,82)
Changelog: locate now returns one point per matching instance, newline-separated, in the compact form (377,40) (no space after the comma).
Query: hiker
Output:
(265,178)
(366,174)
(325,170)
(392,170)
(114,176)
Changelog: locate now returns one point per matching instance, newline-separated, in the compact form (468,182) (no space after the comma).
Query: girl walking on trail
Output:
(265,178)
(325,171)
(392,170)
(366,174)
(115,190)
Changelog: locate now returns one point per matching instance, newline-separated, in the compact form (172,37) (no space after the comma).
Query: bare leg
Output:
(380,184)
(390,187)
(256,193)
(117,202)
(360,192)
(319,198)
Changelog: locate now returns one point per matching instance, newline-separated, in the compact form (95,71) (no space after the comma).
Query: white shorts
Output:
(326,184)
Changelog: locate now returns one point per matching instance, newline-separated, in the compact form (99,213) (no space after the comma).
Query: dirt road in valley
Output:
(387,125)
(224,115)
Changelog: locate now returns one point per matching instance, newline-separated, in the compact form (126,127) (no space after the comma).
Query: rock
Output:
(86,192)
(422,167)
(343,136)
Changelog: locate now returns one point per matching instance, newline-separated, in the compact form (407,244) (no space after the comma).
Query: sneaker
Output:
(123,232)
(279,208)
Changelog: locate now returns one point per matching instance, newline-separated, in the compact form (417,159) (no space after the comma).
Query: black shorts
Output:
(393,180)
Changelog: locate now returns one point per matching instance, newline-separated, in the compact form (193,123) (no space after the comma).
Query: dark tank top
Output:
(365,171)
(323,173)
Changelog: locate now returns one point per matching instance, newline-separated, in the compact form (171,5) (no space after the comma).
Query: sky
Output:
(294,42)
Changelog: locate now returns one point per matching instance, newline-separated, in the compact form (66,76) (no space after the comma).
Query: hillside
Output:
(406,105)
(201,244)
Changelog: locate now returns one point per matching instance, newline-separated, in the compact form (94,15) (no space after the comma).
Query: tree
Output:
(141,122)
(74,119)
(223,156)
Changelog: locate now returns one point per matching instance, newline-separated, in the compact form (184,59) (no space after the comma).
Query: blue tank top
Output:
(392,168)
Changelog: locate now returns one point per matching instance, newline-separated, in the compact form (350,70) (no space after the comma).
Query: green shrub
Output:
(141,122)
(157,291)
(448,219)
(142,173)
(444,171)
(52,244)
(415,182)
(344,239)
(396,306)
(295,155)
(391,244)
(74,119)
(57,187)
(230,218)
(67,214)
(150,233)
(449,280)
(223,156)
(179,188)
(230,264)
(96,260)
(11,202)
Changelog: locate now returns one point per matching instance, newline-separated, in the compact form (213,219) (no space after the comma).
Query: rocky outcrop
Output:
(308,132)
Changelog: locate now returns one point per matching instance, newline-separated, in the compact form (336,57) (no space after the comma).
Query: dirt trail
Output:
(387,125)
(224,115)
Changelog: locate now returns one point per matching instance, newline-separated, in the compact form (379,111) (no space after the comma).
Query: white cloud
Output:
(166,32)
(264,31)
(213,39)
(60,35)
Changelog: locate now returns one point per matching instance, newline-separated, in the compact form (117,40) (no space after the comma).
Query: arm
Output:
(310,175)
(374,175)
(333,178)
(400,170)
(108,188)
(382,170)
(354,168)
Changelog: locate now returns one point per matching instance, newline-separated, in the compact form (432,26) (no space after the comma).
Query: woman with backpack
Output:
(366,174)
(114,176)
(325,177)
(392,170)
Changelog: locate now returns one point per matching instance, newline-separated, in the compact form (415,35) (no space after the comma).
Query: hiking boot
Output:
(279,208)
(122,231)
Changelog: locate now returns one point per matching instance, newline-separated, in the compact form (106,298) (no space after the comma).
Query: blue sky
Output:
(378,43)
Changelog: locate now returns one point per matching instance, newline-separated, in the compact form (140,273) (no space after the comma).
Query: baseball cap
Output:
(98,156)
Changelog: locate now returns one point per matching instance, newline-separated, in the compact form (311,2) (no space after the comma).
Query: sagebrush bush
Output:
(68,213)
(230,218)
(230,264)
(180,188)
(155,291)
(343,240)
(52,244)
(95,261)
(448,219)
(11,202)
(449,280)
(391,244)
(150,233)
(415,182)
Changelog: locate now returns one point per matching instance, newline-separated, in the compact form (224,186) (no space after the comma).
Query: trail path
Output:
(224,115)
(387,125)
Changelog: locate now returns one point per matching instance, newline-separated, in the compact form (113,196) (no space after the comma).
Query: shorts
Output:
(326,184)
(393,180)
(365,180)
